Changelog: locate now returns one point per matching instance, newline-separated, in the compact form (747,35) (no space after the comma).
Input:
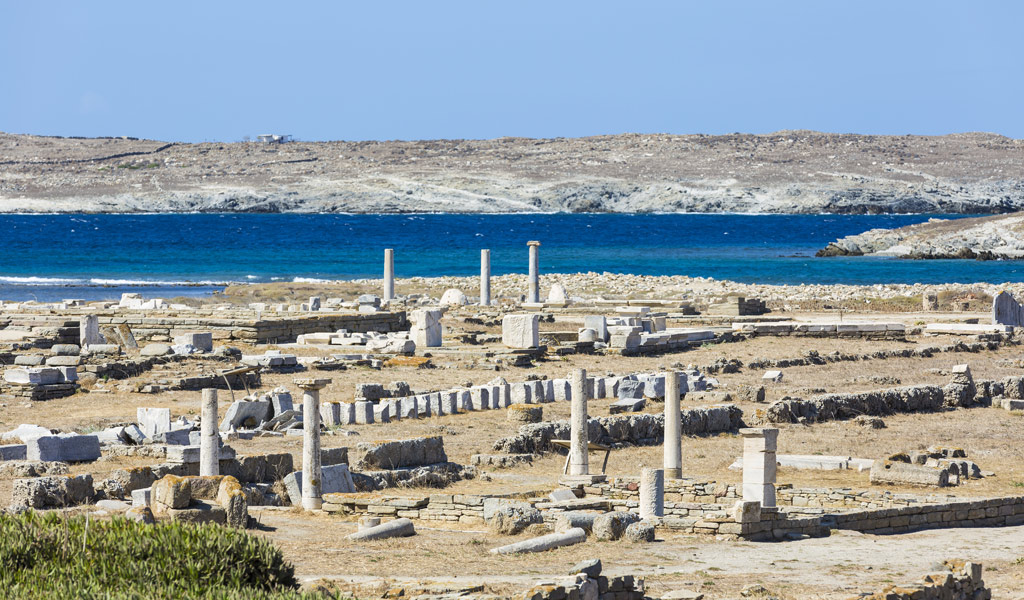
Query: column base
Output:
(575,481)
(312,503)
(674,473)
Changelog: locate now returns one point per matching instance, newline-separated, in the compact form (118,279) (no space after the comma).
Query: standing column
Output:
(534,295)
(652,493)
(389,274)
(579,461)
(759,445)
(673,426)
(485,278)
(311,473)
(209,436)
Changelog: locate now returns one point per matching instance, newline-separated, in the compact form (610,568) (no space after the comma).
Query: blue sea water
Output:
(49,257)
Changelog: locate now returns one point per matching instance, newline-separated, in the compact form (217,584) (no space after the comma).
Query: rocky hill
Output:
(784,172)
(986,238)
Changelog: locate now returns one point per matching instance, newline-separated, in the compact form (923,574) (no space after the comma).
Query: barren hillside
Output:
(784,172)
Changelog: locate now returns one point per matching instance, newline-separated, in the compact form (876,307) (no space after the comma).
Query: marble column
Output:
(209,435)
(311,471)
(759,464)
(652,493)
(485,278)
(389,274)
(579,461)
(534,293)
(673,428)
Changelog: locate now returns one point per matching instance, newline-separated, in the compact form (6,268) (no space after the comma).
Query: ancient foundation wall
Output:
(152,326)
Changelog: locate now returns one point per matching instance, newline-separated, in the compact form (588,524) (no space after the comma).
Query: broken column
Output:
(209,438)
(485,278)
(389,274)
(311,472)
(89,332)
(426,328)
(673,427)
(652,493)
(759,445)
(579,461)
(534,293)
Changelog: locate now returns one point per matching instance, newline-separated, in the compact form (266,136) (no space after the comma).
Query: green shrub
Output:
(50,556)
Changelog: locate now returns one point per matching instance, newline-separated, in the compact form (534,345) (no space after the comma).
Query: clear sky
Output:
(218,70)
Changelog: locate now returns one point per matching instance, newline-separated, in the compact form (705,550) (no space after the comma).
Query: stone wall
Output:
(987,512)
(632,430)
(812,357)
(239,326)
(961,581)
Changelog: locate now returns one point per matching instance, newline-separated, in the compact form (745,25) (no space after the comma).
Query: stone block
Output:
(67,447)
(900,473)
(398,454)
(480,398)
(382,412)
(599,324)
(520,331)
(330,414)
(153,420)
(409,408)
(203,341)
(625,405)
(35,376)
(426,329)
(171,491)
(346,413)
(521,393)
(364,412)
(245,414)
(13,452)
(335,479)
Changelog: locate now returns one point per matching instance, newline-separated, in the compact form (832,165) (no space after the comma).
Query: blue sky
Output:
(194,71)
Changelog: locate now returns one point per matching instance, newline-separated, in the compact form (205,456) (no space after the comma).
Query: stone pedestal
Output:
(389,275)
(209,436)
(673,427)
(426,328)
(485,278)
(579,461)
(759,465)
(652,493)
(312,476)
(89,332)
(534,293)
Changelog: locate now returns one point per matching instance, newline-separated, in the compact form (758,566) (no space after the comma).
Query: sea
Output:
(92,257)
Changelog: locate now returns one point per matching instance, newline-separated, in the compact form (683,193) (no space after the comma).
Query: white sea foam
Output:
(310,280)
(40,280)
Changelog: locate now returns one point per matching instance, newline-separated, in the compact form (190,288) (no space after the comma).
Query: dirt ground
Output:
(835,567)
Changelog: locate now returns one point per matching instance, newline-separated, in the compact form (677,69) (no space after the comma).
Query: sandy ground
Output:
(835,567)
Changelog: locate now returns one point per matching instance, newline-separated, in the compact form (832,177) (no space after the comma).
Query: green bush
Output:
(50,556)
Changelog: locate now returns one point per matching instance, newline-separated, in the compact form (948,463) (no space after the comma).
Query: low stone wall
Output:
(962,581)
(241,326)
(846,498)
(632,430)
(842,330)
(399,454)
(831,407)
(814,358)
(988,512)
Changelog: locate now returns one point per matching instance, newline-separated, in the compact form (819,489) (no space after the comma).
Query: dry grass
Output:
(315,542)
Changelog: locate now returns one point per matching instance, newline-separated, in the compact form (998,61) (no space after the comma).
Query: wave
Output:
(98,281)
(40,280)
(310,280)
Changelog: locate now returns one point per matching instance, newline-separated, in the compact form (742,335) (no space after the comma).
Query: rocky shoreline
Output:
(982,238)
(787,172)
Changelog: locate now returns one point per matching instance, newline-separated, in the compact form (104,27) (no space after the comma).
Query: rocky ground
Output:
(985,238)
(783,172)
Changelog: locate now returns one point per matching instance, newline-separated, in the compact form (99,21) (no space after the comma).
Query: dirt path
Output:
(839,566)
